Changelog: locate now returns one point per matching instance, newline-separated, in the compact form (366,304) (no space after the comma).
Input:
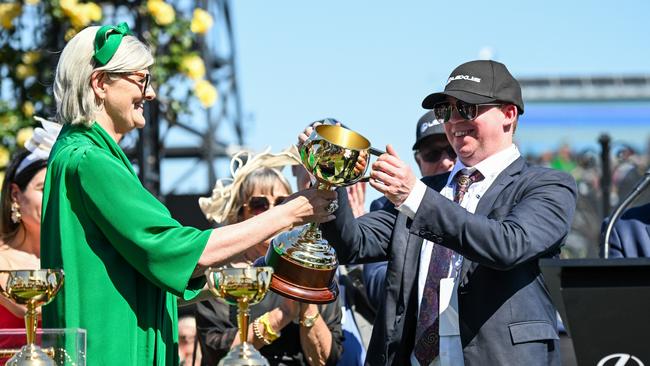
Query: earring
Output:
(16,217)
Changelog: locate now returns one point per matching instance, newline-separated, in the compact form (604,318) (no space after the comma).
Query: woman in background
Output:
(285,331)
(20,217)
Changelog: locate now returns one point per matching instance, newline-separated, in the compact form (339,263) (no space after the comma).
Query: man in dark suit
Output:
(434,156)
(494,306)
(630,236)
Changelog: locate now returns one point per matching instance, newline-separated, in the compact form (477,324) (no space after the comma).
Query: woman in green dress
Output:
(126,260)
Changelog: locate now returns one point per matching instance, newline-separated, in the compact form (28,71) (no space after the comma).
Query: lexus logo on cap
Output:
(620,359)
(464,77)
(426,125)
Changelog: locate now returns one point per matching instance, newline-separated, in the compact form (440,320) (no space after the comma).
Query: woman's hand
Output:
(290,309)
(315,338)
(357,198)
(310,205)
(304,135)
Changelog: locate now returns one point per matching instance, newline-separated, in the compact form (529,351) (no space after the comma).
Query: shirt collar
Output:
(491,166)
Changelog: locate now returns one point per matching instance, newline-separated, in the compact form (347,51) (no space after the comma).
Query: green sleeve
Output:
(137,225)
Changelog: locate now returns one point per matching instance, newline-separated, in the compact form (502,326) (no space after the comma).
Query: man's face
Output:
(490,132)
(435,156)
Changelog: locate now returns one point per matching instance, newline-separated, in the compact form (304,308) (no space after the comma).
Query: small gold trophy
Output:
(32,288)
(241,287)
(304,263)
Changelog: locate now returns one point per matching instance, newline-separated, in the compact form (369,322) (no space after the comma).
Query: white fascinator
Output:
(226,190)
(40,143)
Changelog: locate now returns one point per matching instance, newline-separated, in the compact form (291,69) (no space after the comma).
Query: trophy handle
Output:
(4,278)
(58,280)
(375,152)
(209,277)
(262,277)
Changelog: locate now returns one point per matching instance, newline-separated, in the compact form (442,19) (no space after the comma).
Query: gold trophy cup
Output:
(304,263)
(32,288)
(241,287)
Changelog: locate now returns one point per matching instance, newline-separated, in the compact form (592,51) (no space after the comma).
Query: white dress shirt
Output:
(451,351)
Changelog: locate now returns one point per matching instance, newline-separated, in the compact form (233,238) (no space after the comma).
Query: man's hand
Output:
(392,177)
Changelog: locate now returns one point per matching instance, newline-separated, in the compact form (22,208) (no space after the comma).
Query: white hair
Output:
(75,99)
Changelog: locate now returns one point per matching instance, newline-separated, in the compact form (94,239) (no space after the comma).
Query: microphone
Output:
(643,183)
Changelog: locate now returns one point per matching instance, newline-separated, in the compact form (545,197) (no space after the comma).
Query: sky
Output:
(369,64)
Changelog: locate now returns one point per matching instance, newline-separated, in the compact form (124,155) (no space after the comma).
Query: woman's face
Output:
(125,97)
(30,201)
(279,191)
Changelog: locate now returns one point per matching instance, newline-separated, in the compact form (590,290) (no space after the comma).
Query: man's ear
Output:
(510,112)
(98,83)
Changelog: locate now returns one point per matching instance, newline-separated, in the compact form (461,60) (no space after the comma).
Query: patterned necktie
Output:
(427,338)
(464,179)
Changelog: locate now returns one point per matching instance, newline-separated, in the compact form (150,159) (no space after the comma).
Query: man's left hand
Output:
(392,177)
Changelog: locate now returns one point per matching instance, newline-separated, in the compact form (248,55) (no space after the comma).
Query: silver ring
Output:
(333,206)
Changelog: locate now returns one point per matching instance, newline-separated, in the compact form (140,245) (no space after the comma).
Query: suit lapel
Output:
(486,204)
(411,255)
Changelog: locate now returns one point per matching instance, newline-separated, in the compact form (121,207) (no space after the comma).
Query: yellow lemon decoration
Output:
(23,135)
(4,156)
(24,71)
(193,67)
(201,21)
(162,13)
(31,57)
(81,15)
(206,93)
(8,12)
(28,108)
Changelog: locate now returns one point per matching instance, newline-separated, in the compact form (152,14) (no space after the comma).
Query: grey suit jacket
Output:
(506,315)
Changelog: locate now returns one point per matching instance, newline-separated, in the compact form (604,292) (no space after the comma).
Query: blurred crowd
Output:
(627,167)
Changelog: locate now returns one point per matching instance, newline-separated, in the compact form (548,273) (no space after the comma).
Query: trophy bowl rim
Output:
(349,131)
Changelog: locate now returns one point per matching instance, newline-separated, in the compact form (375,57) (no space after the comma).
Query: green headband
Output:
(107,41)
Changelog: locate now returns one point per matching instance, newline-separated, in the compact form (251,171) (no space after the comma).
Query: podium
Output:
(605,306)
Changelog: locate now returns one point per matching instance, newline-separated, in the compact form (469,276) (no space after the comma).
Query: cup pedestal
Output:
(31,355)
(304,266)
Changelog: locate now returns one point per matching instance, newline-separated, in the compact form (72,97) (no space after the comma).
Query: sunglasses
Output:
(433,155)
(259,204)
(468,111)
(146,82)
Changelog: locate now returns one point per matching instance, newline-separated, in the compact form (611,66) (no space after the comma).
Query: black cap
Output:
(427,125)
(482,81)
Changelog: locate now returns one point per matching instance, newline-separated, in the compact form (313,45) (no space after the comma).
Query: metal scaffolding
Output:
(181,158)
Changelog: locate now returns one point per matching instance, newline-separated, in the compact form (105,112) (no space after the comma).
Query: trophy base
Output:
(30,355)
(244,354)
(298,282)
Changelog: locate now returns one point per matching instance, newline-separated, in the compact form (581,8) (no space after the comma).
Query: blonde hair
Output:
(75,99)
(248,173)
